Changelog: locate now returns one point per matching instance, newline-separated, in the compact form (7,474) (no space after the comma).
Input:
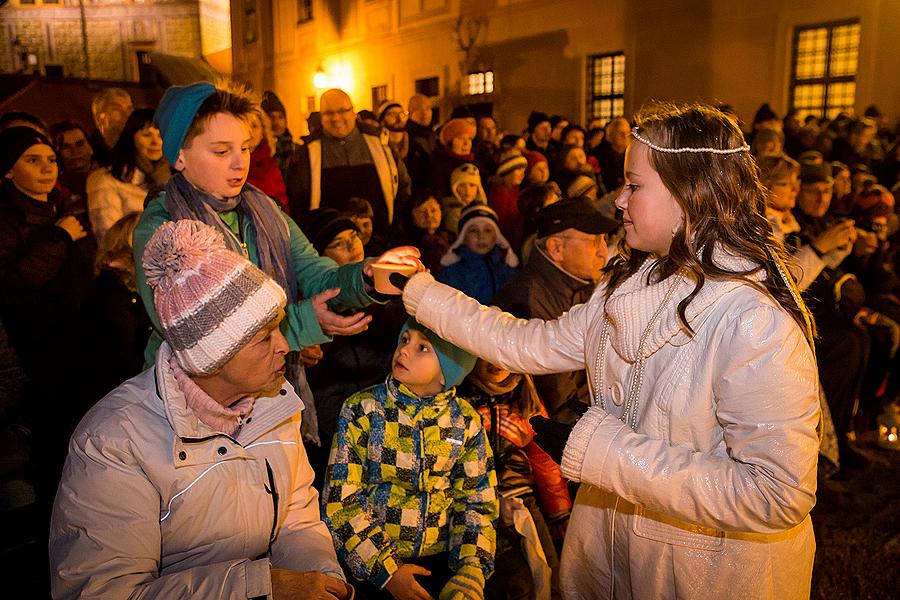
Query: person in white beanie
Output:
(190,479)
(481,260)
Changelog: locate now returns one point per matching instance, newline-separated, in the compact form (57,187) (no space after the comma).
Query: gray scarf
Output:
(273,243)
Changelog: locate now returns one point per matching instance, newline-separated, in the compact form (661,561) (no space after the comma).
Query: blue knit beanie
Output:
(455,362)
(176,112)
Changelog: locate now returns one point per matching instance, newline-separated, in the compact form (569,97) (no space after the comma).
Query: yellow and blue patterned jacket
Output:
(408,477)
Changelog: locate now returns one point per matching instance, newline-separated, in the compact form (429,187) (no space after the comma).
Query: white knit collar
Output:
(634,303)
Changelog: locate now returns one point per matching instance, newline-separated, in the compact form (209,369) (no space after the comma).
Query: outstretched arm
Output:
(518,345)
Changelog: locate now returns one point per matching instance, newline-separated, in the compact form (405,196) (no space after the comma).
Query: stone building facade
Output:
(526,54)
(112,34)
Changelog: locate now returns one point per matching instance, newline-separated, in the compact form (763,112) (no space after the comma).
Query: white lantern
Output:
(888,426)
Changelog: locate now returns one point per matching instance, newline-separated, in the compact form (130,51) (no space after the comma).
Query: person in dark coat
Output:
(454,151)
(422,140)
(46,267)
(347,159)
(562,271)
(610,153)
(345,365)
(114,321)
(424,230)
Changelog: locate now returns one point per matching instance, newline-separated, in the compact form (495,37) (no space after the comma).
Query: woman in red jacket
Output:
(264,171)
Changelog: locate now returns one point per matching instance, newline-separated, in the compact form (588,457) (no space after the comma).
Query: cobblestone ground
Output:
(857,525)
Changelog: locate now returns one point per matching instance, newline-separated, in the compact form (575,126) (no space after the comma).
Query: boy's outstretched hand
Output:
(550,436)
(333,323)
(403,585)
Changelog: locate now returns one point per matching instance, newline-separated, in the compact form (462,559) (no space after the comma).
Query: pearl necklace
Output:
(629,414)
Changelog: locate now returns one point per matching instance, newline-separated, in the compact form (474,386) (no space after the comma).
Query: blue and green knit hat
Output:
(455,362)
(176,112)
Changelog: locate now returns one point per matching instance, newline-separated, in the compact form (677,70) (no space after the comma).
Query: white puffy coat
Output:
(708,495)
(155,504)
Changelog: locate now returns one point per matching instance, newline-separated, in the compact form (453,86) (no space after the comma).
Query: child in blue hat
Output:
(410,492)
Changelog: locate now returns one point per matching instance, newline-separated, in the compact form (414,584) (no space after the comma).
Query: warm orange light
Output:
(320,79)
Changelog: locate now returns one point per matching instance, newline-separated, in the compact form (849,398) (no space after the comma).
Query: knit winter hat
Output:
(467,173)
(323,224)
(272,103)
(580,185)
(210,301)
(13,144)
(455,128)
(510,161)
(536,118)
(455,362)
(478,212)
(765,113)
(532,158)
(176,112)
(384,107)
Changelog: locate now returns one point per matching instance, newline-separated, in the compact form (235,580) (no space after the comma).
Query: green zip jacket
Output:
(314,274)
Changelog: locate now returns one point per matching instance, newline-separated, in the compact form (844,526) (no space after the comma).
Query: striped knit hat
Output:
(510,161)
(210,300)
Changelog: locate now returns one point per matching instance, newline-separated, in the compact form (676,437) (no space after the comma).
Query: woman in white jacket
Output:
(138,165)
(698,457)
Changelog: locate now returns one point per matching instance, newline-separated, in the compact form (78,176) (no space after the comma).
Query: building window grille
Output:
(606,86)
(823,68)
(480,82)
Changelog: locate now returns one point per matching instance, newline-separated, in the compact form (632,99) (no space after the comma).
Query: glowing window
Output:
(825,59)
(606,86)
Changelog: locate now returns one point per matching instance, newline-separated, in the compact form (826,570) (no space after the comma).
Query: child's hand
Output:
(507,507)
(403,585)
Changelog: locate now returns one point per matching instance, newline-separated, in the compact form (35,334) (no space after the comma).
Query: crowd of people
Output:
(202,254)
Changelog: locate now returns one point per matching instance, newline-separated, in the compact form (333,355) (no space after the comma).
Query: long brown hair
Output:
(723,203)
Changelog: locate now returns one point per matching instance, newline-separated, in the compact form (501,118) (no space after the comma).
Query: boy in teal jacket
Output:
(410,488)
(206,138)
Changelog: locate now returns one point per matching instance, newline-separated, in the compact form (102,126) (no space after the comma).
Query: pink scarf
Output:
(224,419)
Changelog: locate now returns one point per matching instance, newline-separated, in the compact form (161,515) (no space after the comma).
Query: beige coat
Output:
(707,494)
(155,504)
(109,199)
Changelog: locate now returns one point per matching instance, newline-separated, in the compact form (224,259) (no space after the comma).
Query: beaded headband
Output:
(646,142)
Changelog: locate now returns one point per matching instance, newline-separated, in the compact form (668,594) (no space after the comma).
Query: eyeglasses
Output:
(596,240)
(330,114)
(347,243)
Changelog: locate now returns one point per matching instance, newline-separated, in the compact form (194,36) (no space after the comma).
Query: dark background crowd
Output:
(471,194)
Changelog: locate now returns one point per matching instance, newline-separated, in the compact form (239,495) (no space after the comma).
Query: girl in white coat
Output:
(698,457)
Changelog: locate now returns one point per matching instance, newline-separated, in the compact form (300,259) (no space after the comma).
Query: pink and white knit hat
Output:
(210,300)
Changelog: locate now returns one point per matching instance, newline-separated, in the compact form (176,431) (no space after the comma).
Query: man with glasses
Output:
(346,160)
(392,118)
(562,271)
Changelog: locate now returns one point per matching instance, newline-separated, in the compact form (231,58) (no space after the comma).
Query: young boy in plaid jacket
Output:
(410,488)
